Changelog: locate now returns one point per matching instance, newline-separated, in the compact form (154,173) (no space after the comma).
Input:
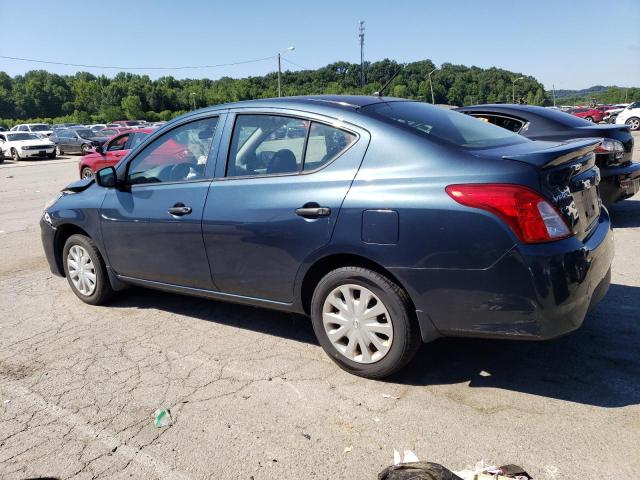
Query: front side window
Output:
(118,143)
(178,155)
(442,125)
(273,144)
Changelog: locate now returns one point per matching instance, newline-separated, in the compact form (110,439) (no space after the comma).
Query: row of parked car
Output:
(389,222)
(41,140)
(622,114)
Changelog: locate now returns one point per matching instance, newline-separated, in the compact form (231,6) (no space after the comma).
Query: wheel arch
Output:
(324,265)
(63,232)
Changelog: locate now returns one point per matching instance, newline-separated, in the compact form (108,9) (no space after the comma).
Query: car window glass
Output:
(266,145)
(2,137)
(134,140)
(118,143)
(509,123)
(178,155)
(324,144)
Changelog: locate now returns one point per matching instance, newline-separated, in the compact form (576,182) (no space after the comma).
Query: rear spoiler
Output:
(561,153)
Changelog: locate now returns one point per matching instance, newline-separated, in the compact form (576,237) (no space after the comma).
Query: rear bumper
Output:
(618,183)
(533,292)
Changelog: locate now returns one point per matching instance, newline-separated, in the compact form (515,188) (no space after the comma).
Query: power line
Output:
(186,67)
(294,63)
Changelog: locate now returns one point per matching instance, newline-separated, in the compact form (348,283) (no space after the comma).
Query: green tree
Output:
(132,107)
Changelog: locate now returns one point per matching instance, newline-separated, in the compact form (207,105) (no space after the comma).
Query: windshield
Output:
(12,137)
(40,128)
(85,133)
(444,125)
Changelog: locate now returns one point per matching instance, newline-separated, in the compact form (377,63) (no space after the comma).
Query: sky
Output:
(569,44)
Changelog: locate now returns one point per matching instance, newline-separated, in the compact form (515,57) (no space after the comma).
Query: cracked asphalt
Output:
(252,395)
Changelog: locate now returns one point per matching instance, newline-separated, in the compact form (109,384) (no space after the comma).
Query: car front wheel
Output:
(84,148)
(633,123)
(85,270)
(364,322)
(86,173)
(15,155)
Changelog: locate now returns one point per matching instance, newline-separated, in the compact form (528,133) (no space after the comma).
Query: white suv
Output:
(630,116)
(41,128)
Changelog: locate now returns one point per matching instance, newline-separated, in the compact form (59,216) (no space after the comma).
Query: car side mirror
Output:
(107,177)
(99,149)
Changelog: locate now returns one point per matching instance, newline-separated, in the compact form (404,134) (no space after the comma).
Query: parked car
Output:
(1,153)
(112,152)
(57,126)
(19,145)
(630,116)
(389,222)
(128,123)
(76,140)
(620,175)
(587,113)
(43,128)
(110,132)
(97,126)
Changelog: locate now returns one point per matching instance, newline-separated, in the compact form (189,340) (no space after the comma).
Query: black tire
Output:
(59,150)
(86,172)
(633,123)
(51,155)
(84,148)
(15,155)
(1,156)
(102,291)
(406,332)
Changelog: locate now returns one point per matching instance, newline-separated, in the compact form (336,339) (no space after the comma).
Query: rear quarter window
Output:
(443,125)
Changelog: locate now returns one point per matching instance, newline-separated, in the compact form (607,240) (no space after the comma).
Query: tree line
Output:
(608,96)
(87,98)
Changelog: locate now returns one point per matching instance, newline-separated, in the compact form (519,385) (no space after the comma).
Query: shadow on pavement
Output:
(599,364)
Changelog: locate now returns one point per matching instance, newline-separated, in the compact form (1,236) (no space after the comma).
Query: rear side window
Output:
(443,125)
(511,124)
(275,145)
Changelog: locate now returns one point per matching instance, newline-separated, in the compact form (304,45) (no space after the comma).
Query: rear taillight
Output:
(530,216)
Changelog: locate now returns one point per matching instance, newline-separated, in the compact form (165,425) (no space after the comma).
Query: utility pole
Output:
(433,98)
(553,89)
(289,49)
(361,36)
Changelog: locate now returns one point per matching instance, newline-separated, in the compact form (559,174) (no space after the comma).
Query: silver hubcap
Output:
(634,124)
(87,173)
(57,150)
(82,272)
(357,323)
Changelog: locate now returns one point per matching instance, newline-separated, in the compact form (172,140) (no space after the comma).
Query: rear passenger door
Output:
(276,198)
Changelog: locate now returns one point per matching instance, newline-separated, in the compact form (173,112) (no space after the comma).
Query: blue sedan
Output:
(389,222)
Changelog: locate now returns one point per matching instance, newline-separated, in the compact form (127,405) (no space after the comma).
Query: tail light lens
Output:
(610,146)
(529,214)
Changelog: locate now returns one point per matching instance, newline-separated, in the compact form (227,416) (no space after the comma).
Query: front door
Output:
(277,201)
(152,226)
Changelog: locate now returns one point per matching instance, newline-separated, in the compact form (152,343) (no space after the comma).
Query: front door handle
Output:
(313,211)
(179,209)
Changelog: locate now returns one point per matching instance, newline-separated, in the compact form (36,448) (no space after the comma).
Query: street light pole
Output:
(513,91)
(290,49)
(193,99)
(433,101)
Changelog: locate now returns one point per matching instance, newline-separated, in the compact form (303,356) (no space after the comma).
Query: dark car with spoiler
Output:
(620,175)
(388,222)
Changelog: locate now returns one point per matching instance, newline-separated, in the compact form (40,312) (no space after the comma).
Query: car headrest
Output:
(284,161)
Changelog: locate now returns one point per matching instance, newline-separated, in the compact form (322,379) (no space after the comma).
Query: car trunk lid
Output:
(569,178)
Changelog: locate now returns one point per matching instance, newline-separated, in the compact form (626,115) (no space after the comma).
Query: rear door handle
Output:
(313,212)
(179,209)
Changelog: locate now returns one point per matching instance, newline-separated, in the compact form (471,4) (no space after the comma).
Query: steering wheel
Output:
(180,171)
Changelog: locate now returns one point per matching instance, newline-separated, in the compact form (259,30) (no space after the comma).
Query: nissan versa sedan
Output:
(388,222)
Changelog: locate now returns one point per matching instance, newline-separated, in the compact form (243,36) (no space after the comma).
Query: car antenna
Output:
(379,92)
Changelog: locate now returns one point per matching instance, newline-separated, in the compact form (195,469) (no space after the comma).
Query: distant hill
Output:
(599,93)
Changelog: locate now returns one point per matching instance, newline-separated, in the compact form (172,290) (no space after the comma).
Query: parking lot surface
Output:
(252,395)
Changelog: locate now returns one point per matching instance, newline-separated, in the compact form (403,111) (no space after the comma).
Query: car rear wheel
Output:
(633,123)
(15,155)
(589,119)
(85,270)
(364,322)
(84,148)
(86,173)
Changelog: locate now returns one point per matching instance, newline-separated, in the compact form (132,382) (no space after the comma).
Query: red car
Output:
(113,150)
(588,113)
